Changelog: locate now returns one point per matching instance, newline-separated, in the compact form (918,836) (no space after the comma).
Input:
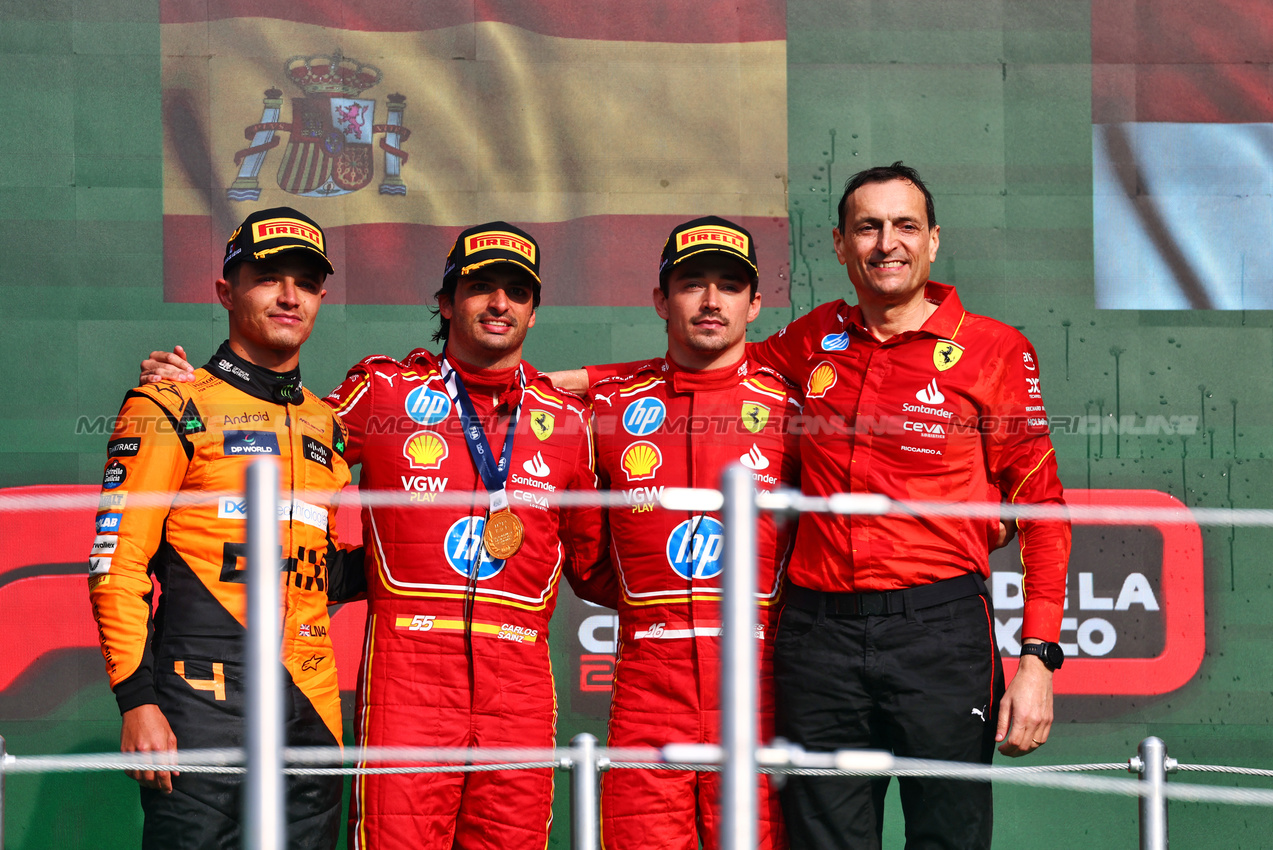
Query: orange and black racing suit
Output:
(196,437)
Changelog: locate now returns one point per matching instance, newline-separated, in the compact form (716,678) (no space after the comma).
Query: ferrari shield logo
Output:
(946,354)
(755,416)
(541,423)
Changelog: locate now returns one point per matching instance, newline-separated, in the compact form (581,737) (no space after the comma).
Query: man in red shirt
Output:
(678,421)
(886,639)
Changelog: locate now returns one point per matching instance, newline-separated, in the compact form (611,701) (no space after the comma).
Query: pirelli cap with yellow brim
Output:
(710,234)
(267,233)
(491,243)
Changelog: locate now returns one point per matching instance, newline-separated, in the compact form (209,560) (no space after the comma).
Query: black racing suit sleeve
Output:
(346,576)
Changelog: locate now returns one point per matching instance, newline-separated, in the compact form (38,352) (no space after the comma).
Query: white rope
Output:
(1221,768)
(432,768)
(674,498)
(773,760)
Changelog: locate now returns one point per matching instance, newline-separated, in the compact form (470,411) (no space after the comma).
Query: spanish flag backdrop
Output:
(397,123)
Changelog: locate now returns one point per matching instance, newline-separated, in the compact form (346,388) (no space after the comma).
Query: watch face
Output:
(1050,654)
(1053,655)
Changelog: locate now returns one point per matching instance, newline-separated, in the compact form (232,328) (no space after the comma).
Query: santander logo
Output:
(536,466)
(930,394)
(754,459)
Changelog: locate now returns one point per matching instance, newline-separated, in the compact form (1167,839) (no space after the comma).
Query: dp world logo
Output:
(694,548)
(464,549)
(426,406)
(644,416)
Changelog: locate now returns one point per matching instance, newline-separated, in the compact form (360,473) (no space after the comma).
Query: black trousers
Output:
(205,810)
(924,683)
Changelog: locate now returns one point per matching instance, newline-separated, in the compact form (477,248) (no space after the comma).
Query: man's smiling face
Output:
(490,312)
(887,244)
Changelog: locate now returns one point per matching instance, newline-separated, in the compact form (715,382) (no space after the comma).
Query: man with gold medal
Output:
(456,651)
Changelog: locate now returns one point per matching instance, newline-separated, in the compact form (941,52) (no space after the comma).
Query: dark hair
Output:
(444,327)
(884,174)
(448,289)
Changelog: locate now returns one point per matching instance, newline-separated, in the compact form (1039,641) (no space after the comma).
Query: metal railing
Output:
(265,760)
(266,807)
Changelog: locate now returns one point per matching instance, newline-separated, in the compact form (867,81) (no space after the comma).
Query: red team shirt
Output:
(951,412)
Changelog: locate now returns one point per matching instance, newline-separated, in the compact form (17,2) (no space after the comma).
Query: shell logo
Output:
(821,379)
(641,460)
(425,450)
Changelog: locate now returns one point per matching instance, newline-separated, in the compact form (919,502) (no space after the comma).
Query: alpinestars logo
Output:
(536,466)
(930,394)
(754,459)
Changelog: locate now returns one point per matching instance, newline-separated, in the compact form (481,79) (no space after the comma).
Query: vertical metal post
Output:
(266,825)
(584,834)
(1153,806)
(4,763)
(740,656)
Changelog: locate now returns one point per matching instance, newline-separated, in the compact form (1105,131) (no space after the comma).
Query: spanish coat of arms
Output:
(329,148)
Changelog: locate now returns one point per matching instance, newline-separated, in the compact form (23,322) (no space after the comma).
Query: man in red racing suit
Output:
(456,651)
(679,422)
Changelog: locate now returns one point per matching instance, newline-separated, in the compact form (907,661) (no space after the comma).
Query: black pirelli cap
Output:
(710,234)
(490,243)
(265,233)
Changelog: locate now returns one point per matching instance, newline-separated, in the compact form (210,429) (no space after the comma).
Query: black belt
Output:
(889,601)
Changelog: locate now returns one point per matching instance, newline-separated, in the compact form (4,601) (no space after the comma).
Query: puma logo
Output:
(980,712)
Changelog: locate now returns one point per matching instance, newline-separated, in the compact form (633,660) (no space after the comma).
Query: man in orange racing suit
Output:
(178,678)
(456,651)
(678,422)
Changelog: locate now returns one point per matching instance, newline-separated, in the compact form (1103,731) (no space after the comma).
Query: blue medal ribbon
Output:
(494,473)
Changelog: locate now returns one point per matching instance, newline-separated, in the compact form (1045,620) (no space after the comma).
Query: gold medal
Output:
(503,534)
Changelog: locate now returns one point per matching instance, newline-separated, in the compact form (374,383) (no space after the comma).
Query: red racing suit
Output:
(446,661)
(662,426)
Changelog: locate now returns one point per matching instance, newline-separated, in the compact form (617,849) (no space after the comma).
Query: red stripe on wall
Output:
(1182,31)
(1182,61)
(607,261)
(676,21)
(1227,94)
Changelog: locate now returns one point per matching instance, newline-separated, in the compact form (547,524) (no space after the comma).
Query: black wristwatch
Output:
(1050,654)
